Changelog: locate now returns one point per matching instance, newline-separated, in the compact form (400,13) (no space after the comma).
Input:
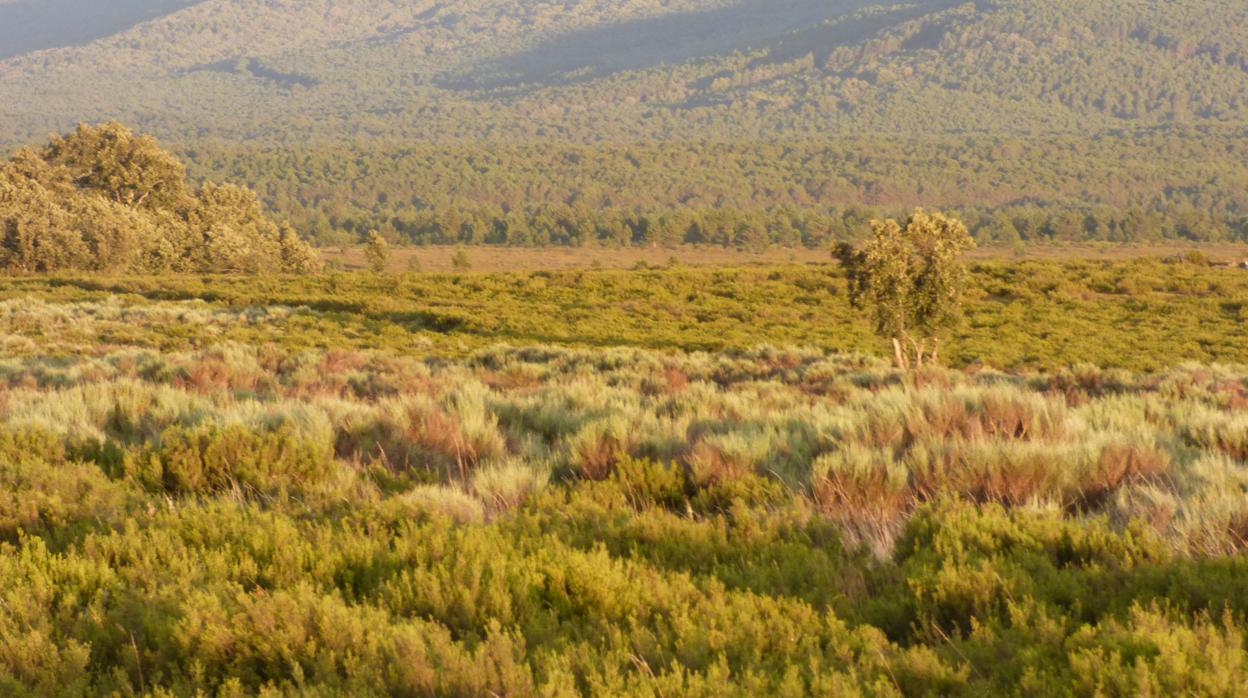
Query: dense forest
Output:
(1143,187)
(735,122)
(104,199)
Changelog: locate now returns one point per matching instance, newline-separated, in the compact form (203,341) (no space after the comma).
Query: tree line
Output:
(1133,187)
(563,225)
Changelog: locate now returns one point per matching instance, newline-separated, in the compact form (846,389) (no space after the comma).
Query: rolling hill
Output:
(588,70)
(234,77)
(35,25)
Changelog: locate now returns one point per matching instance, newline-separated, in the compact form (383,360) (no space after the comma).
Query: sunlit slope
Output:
(279,70)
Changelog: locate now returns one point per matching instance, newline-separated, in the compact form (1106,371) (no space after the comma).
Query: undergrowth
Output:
(244,520)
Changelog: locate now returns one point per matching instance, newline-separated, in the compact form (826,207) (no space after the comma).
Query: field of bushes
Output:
(1140,314)
(656,483)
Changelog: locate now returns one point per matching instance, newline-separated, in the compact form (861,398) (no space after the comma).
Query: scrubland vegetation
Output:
(1139,314)
(336,484)
(874,465)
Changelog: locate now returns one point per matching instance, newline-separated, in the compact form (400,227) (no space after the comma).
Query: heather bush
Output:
(207,459)
(57,500)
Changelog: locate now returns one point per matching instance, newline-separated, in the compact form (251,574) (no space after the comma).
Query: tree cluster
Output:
(107,200)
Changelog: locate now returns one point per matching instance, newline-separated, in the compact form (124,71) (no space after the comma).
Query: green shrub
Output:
(1154,653)
(52,499)
(210,458)
(648,483)
(32,444)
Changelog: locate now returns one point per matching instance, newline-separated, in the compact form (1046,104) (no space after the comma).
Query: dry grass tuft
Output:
(598,446)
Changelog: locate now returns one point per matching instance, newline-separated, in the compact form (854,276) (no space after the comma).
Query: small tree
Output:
(460,261)
(912,279)
(376,252)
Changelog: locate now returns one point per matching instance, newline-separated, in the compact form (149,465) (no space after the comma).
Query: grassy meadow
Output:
(702,481)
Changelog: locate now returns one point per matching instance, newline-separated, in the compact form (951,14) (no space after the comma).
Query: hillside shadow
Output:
(766,25)
(34,25)
(338,310)
(254,68)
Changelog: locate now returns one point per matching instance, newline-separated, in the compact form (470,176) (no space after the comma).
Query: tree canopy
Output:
(911,279)
(105,199)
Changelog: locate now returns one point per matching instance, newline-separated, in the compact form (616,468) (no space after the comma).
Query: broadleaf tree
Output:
(912,279)
(103,199)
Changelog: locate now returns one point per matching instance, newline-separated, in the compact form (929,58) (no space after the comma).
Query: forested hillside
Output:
(1140,187)
(31,25)
(589,70)
(352,115)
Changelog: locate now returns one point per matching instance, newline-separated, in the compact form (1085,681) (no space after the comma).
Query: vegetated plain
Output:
(622,483)
(1142,314)
(495,258)
(682,469)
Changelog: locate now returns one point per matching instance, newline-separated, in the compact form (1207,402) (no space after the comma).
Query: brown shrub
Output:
(440,435)
(516,378)
(1121,463)
(708,464)
(341,361)
(208,376)
(1009,414)
(994,471)
(937,468)
(1027,475)
(598,446)
(677,380)
(866,492)
(942,415)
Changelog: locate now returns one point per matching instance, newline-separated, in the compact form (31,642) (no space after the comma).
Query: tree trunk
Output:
(918,352)
(899,355)
(935,352)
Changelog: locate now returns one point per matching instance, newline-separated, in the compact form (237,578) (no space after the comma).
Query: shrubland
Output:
(324,486)
(1141,314)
